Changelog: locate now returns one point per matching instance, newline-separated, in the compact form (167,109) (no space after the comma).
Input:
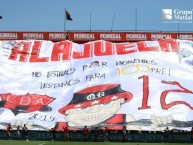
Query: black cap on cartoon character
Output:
(96,95)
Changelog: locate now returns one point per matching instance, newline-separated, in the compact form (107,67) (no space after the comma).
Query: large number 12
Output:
(163,94)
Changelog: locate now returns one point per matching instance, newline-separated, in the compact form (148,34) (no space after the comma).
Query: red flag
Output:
(68,17)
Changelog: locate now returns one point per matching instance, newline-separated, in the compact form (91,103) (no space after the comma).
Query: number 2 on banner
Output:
(163,94)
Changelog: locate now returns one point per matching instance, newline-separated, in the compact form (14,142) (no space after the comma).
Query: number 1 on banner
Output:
(145,92)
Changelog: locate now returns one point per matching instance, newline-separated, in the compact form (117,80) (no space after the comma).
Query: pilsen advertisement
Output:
(145,85)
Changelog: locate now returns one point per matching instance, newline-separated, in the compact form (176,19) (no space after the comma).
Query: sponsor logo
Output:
(177,15)
(57,36)
(160,36)
(136,37)
(83,36)
(8,36)
(167,14)
(33,36)
(185,36)
(110,36)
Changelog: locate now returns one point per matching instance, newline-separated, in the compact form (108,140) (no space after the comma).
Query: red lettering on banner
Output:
(39,102)
(86,53)
(21,51)
(9,99)
(145,92)
(25,101)
(103,48)
(62,49)
(168,45)
(126,48)
(35,53)
(164,94)
(142,46)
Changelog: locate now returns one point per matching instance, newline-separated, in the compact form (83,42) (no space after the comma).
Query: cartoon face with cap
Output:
(94,105)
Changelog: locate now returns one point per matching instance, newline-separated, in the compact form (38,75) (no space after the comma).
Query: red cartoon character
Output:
(97,105)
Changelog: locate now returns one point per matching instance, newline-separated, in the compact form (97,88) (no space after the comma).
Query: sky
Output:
(91,15)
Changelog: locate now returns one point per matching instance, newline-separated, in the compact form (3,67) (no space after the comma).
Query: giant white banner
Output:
(145,85)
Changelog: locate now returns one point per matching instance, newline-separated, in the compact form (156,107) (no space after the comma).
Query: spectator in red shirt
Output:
(8,131)
(66,135)
(85,131)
